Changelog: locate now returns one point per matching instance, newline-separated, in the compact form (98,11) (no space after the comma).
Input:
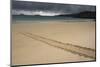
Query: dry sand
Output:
(27,50)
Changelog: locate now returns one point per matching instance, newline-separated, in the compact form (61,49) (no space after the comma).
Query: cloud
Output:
(50,7)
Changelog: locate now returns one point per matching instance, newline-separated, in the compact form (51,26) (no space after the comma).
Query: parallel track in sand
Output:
(82,51)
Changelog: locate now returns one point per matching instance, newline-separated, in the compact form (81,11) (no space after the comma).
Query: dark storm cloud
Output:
(39,6)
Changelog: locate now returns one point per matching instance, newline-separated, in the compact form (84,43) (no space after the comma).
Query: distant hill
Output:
(85,14)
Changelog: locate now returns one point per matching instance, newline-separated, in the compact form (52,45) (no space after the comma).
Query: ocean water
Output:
(24,18)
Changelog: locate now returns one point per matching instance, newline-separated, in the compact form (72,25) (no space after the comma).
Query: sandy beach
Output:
(52,42)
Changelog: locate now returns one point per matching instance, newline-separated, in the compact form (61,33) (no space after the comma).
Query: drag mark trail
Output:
(82,51)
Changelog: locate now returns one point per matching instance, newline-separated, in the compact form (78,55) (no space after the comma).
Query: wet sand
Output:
(29,49)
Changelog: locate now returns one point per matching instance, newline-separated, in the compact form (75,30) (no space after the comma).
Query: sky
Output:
(89,2)
(32,8)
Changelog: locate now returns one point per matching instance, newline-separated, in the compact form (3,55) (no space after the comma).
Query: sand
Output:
(29,49)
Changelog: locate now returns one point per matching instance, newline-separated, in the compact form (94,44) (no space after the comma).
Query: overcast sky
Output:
(51,7)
